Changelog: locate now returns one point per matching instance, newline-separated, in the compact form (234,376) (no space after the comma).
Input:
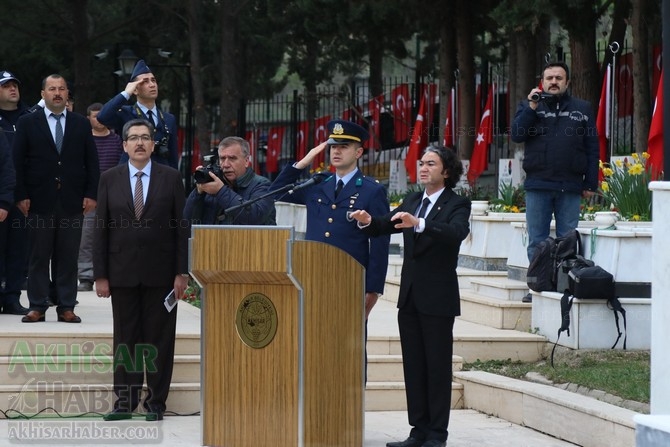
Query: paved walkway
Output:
(468,428)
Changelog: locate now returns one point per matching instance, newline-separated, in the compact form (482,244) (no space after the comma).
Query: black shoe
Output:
(527,299)
(409,442)
(434,443)
(85,286)
(14,309)
(117,415)
(154,415)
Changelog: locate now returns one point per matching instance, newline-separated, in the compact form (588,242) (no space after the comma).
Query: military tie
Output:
(340,185)
(138,199)
(59,131)
(150,117)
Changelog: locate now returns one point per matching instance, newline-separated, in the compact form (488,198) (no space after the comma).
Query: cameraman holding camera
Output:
(116,112)
(560,155)
(229,183)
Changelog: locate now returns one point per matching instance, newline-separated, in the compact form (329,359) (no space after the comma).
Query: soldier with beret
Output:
(330,203)
(116,112)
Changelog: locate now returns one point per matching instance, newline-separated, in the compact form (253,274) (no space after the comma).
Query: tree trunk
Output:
(82,56)
(465,133)
(447,60)
(584,80)
(199,107)
(230,82)
(641,92)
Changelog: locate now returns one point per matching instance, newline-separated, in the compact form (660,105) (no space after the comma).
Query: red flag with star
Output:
(417,143)
(655,141)
(479,158)
(402,112)
(275,138)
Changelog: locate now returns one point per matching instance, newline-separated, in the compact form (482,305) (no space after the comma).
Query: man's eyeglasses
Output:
(136,138)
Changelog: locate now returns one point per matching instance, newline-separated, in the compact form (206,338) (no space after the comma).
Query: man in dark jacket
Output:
(236,184)
(13,232)
(561,154)
(56,184)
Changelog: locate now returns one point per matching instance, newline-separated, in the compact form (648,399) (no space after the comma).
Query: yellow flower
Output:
(646,155)
(604,186)
(635,156)
(619,163)
(636,217)
(636,169)
(607,172)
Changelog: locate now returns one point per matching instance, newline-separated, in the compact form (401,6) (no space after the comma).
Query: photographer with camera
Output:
(229,183)
(116,112)
(560,155)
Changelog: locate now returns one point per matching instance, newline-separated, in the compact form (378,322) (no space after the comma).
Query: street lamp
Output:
(127,61)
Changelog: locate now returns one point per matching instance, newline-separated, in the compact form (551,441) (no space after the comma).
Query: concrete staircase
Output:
(494,325)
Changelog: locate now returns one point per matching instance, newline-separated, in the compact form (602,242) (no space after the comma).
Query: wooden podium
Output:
(282,339)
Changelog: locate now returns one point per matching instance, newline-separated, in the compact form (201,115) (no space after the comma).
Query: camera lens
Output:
(535,96)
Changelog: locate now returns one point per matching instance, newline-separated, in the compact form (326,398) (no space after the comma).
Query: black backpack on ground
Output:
(589,281)
(543,270)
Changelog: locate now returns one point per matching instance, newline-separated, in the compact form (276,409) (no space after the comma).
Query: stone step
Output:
(86,369)
(78,398)
(465,276)
(499,288)
(494,312)
(13,343)
(388,368)
(573,417)
(390,396)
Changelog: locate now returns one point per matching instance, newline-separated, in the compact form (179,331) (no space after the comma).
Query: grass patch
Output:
(625,374)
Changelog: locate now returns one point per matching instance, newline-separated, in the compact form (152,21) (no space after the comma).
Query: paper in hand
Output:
(170,301)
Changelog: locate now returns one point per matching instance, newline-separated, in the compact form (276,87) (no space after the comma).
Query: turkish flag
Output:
(301,140)
(449,122)
(429,93)
(402,112)
(250,136)
(655,141)
(603,118)
(375,107)
(320,135)
(624,86)
(275,138)
(479,158)
(417,143)
(658,64)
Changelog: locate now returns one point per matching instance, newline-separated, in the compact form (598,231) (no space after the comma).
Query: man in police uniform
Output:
(330,202)
(117,112)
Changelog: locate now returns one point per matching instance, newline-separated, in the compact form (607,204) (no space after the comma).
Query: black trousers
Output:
(144,339)
(427,348)
(54,238)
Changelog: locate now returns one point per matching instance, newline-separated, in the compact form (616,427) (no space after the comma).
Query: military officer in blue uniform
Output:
(116,112)
(330,203)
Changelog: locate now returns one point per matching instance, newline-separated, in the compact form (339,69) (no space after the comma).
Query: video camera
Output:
(201,175)
(541,96)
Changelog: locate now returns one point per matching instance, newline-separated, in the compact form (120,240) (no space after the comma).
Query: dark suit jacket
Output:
(116,112)
(43,175)
(149,251)
(430,259)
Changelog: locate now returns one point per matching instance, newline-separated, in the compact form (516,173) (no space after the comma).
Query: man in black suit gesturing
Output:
(57,176)
(140,254)
(434,223)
